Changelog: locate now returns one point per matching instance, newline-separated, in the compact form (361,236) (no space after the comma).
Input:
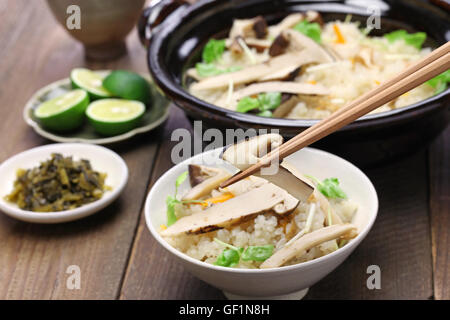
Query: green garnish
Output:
(258,253)
(180,180)
(329,187)
(247,104)
(171,201)
(210,69)
(413,39)
(440,82)
(265,113)
(310,29)
(269,100)
(231,255)
(213,50)
(264,103)
(228,258)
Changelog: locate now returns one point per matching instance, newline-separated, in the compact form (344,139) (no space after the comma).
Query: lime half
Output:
(115,116)
(63,113)
(89,81)
(128,85)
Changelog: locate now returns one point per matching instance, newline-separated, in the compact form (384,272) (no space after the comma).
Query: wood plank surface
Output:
(35,51)
(152,273)
(440,214)
(118,257)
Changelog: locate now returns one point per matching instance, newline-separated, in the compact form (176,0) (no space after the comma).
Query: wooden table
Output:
(116,254)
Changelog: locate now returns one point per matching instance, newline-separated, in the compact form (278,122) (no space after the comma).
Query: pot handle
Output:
(154,15)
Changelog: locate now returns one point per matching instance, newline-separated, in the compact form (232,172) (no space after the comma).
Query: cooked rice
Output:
(262,230)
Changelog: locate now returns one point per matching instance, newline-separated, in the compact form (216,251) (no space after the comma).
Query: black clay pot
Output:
(176,43)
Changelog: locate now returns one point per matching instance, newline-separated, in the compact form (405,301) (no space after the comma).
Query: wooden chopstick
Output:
(430,66)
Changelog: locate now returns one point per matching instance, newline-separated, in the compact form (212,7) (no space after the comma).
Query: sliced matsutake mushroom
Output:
(308,241)
(300,42)
(317,196)
(256,72)
(267,198)
(256,27)
(364,56)
(287,23)
(288,102)
(272,86)
(246,153)
(314,16)
(204,180)
(260,27)
(259,44)
(279,45)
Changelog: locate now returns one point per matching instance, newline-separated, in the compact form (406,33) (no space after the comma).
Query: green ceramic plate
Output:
(155,114)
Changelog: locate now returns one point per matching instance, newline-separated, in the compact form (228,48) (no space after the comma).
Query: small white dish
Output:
(102,160)
(288,282)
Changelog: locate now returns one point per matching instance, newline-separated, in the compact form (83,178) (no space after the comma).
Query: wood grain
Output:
(440,214)
(36,51)
(152,272)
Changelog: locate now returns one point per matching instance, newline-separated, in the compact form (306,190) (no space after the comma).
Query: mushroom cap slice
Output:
(246,153)
(308,241)
(204,180)
(256,72)
(264,199)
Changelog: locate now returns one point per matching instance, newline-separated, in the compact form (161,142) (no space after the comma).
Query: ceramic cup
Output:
(103,24)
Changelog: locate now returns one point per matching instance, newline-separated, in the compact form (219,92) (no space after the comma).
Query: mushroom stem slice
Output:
(256,72)
(267,198)
(272,86)
(204,180)
(246,153)
(308,241)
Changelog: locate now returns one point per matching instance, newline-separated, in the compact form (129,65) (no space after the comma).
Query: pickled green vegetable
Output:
(57,184)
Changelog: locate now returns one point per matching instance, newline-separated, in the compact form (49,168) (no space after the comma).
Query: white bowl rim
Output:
(21,214)
(349,247)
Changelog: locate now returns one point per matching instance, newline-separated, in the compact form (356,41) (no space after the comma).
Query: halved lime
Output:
(90,81)
(128,85)
(63,113)
(115,116)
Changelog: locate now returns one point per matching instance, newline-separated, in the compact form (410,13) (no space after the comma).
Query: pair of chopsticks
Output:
(423,70)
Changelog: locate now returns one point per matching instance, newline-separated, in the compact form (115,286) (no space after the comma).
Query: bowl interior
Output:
(102,160)
(309,161)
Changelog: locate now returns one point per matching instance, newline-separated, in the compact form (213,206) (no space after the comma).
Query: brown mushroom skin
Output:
(279,45)
(260,27)
(314,16)
(195,175)
(235,47)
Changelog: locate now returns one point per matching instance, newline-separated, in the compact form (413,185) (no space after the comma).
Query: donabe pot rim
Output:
(174,89)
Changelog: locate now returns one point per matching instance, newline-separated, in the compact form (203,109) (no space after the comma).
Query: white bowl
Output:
(284,282)
(102,159)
